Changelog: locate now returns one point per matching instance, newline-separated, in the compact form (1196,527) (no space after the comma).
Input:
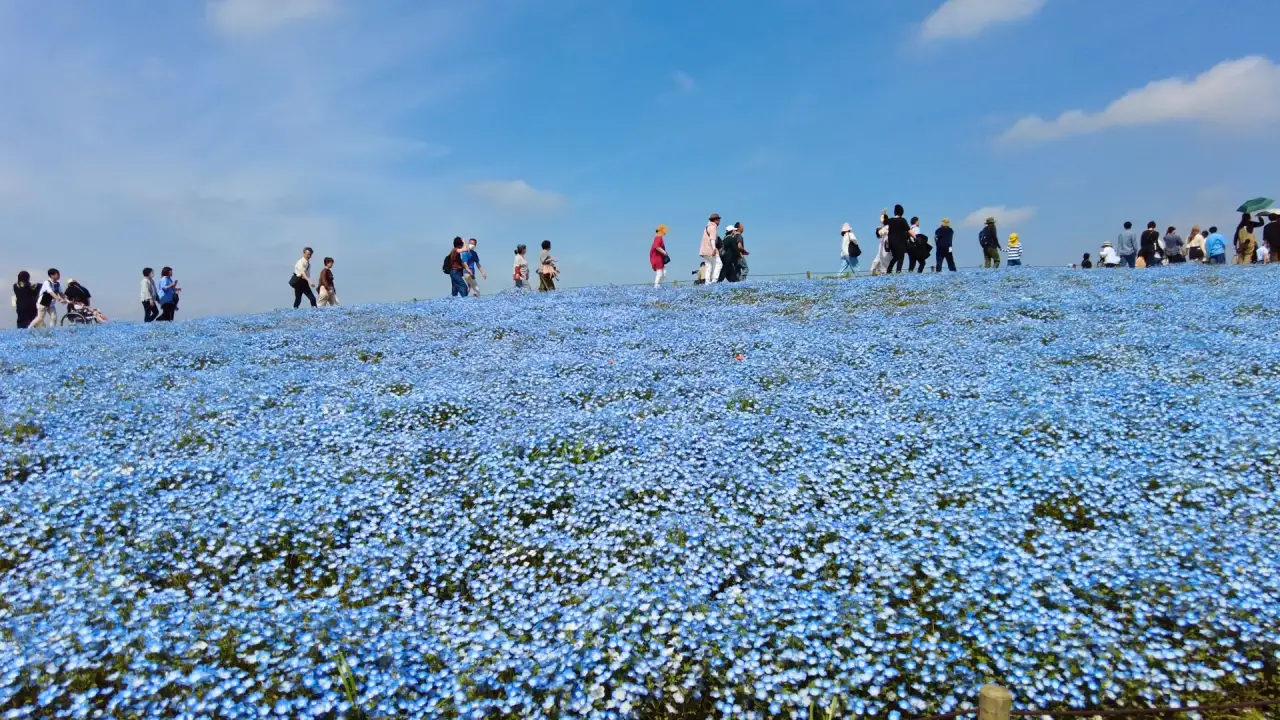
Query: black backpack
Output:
(448,263)
(854,250)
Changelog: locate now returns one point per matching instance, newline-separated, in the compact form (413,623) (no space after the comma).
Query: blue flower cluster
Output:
(866,497)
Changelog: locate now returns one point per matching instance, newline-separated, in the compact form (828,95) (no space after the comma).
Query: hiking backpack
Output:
(448,264)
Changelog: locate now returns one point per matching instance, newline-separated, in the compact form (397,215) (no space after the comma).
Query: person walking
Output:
(880,265)
(48,297)
(328,291)
(301,280)
(849,250)
(731,254)
(1174,247)
(1195,245)
(1127,245)
(520,269)
(1215,247)
(1014,252)
(658,257)
(1271,236)
(472,259)
(26,300)
(989,241)
(547,269)
(919,248)
(150,297)
(899,235)
(169,290)
(943,238)
(456,268)
(709,249)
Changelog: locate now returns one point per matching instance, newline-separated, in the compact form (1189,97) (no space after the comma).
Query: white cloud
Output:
(248,17)
(1003,215)
(966,18)
(1234,93)
(517,195)
(684,81)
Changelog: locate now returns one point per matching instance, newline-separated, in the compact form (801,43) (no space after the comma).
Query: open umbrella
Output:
(1256,204)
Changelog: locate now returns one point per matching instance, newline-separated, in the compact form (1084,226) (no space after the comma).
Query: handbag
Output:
(293,281)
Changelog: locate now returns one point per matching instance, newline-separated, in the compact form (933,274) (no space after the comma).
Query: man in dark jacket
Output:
(1271,237)
(989,240)
(942,238)
(898,236)
(1150,245)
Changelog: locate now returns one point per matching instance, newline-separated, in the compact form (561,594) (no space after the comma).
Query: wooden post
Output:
(808,275)
(994,703)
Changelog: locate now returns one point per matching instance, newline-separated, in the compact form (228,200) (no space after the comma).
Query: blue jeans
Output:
(1217,259)
(850,265)
(1130,260)
(459,283)
(1014,263)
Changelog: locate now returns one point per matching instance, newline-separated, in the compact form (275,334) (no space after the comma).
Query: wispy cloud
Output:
(966,18)
(1233,94)
(1003,215)
(250,17)
(684,81)
(517,195)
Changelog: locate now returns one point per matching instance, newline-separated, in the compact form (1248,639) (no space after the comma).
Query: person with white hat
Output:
(1108,257)
(709,249)
(849,250)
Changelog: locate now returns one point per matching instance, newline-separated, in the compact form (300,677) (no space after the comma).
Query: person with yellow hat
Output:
(1013,253)
(943,238)
(658,257)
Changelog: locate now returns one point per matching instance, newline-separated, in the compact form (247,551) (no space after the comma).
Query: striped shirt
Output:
(1013,252)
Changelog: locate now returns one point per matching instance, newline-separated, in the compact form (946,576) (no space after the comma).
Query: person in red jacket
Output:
(658,257)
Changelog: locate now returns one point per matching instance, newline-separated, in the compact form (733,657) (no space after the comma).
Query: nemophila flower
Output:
(749,501)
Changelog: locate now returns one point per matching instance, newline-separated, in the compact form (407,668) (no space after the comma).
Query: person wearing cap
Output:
(1108,257)
(943,238)
(989,241)
(709,250)
(658,257)
(1127,245)
(1014,252)
(849,250)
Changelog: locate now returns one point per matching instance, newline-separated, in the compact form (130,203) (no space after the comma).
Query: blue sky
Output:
(219,136)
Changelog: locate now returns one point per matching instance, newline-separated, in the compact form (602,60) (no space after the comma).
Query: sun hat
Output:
(991,221)
(662,229)
(1013,238)
(714,216)
(946,222)
(845,228)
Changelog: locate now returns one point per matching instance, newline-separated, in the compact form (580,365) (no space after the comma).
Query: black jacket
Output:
(988,238)
(76,292)
(899,233)
(944,237)
(27,294)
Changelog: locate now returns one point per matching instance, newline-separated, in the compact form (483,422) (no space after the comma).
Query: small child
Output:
(701,272)
(1013,253)
(1086,263)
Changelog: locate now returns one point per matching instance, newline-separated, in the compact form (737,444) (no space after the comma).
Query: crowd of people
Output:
(723,259)
(1152,249)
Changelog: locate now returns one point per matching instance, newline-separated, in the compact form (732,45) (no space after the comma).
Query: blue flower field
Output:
(789,499)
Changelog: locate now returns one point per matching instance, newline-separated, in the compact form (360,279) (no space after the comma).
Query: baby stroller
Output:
(81,314)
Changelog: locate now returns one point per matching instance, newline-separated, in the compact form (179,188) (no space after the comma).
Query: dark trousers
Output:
(730,270)
(945,255)
(1129,260)
(895,264)
(1175,259)
(302,289)
(917,266)
(458,283)
(25,316)
(166,312)
(149,311)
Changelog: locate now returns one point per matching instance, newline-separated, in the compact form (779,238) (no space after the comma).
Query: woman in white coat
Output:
(881,264)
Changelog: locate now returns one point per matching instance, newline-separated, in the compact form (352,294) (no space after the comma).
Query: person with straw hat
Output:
(658,257)
(943,239)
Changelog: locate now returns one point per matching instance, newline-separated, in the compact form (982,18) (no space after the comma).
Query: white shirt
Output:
(149,292)
(1108,256)
(302,269)
(49,287)
(844,242)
